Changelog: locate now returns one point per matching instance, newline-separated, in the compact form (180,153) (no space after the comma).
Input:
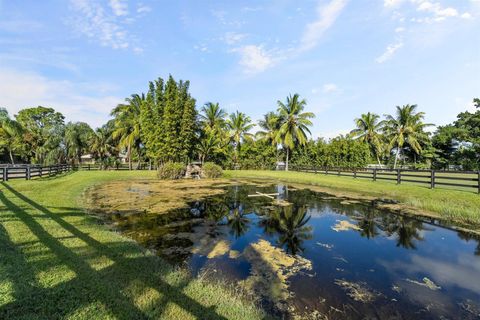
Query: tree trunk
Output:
(129,152)
(11,155)
(378,159)
(396,158)
(286,162)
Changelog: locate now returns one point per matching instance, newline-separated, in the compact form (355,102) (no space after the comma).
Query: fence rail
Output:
(433,178)
(32,172)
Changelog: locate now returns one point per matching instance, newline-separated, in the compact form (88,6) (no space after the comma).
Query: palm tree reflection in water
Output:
(289,223)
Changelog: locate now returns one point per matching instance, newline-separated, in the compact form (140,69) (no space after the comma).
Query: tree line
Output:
(165,125)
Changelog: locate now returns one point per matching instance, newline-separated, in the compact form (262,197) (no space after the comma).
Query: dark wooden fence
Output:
(462,180)
(30,171)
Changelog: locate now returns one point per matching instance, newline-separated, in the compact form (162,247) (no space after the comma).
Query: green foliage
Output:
(212,170)
(339,152)
(367,130)
(43,129)
(257,155)
(77,139)
(171,171)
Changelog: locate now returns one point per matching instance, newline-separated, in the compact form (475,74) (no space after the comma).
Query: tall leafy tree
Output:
(188,123)
(127,124)
(270,125)
(43,130)
(294,123)
(151,119)
(406,128)
(239,125)
(103,144)
(367,130)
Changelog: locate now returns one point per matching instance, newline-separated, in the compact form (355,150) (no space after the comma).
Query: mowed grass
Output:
(56,262)
(452,205)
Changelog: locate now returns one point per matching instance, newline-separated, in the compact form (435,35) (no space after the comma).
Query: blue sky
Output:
(345,57)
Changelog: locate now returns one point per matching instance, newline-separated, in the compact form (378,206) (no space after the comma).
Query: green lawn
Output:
(58,263)
(459,206)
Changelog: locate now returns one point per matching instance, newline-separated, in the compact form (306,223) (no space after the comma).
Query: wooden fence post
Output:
(432,179)
(27,173)
(374,174)
(3,174)
(354,173)
(479,182)
(6,174)
(399,176)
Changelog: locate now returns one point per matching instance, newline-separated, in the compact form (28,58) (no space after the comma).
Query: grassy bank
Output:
(58,263)
(452,205)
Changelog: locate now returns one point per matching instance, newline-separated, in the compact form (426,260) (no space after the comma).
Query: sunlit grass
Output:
(59,263)
(453,205)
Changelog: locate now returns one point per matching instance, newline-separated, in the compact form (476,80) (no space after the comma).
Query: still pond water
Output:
(309,254)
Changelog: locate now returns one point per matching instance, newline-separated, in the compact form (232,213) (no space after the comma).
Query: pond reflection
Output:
(307,253)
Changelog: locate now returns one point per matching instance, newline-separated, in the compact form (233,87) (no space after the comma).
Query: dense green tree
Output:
(43,129)
(188,124)
(367,130)
(151,115)
(405,128)
(294,124)
(103,144)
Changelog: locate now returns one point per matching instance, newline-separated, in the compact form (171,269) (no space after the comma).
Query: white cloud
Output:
(399,29)
(26,89)
(119,7)
(232,38)
(93,21)
(327,15)
(254,58)
(330,87)
(143,9)
(392,3)
(389,52)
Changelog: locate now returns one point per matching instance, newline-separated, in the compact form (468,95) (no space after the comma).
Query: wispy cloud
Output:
(232,38)
(389,52)
(119,7)
(326,17)
(93,20)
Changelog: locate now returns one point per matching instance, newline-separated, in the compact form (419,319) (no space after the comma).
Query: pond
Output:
(309,254)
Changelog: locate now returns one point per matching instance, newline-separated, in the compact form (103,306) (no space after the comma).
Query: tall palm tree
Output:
(11,134)
(406,128)
(294,124)
(127,124)
(238,125)
(212,116)
(368,131)
(270,125)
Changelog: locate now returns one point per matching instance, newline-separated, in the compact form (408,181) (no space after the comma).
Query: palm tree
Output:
(11,133)
(77,138)
(238,222)
(367,131)
(294,124)
(127,124)
(102,144)
(238,125)
(212,116)
(292,228)
(208,144)
(406,128)
(270,125)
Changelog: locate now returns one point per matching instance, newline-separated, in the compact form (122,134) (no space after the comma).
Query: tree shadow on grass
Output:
(105,287)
